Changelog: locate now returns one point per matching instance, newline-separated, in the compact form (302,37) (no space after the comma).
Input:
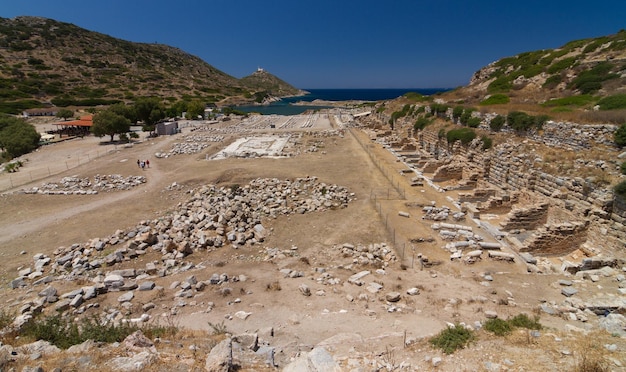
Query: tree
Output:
(109,123)
(150,111)
(194,109)
(17,137)
(65,113)
(125,110)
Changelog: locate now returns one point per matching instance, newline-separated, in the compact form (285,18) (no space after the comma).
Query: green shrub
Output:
(441,134)
(457,112)
(465,135)
(523,321)
(421,123)
(580,100)
(64,332)
(417,97)
(501,84)
(561,65)
(496,99)
(497,123)
(439,109)
(487,142)
(451,339)
(467,114)
(622,168)
(620,136)
(522,122)
(620,189)
(614,102)
(552,82)
(498,327)
(589,81)
(473,122)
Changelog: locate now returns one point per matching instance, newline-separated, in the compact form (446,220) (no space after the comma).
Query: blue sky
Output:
(342,43)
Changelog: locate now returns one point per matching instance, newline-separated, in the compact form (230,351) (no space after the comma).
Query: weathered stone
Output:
(146,286)
(220,358)
(393,296)
(568,291)
(128,296)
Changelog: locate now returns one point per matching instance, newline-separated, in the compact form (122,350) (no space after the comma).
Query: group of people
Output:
(143,164)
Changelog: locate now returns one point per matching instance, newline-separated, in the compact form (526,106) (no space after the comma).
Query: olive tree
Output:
(109,123)
(17,137)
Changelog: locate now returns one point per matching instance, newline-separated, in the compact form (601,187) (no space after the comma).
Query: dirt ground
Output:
(450,292)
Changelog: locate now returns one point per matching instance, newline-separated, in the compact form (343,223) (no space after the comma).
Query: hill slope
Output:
(44,60)
(594,66)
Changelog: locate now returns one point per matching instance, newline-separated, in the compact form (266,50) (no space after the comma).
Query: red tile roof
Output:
(84,121)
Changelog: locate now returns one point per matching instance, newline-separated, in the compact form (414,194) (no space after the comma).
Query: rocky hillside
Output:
(594,67)
(44,61)
(266,82)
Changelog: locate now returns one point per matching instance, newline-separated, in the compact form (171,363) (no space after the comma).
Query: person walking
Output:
(138,163)
(148,163)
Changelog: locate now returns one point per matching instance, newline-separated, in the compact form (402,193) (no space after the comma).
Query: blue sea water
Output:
(285,106)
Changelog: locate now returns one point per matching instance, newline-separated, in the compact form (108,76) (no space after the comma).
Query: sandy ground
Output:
(32,224)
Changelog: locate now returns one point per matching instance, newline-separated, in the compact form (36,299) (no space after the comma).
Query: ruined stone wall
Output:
(510,170)
(576,136)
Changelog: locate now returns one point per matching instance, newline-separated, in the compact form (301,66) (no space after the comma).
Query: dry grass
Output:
(273,286)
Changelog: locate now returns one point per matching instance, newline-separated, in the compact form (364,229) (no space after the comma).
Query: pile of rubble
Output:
(376,255)
(85,186)
(211,218)
(192,144)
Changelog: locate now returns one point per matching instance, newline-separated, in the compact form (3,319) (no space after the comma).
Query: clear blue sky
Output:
(342,43)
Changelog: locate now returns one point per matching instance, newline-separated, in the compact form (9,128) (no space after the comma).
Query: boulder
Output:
(220,359)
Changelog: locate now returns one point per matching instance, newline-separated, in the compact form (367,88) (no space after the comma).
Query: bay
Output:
(286,105)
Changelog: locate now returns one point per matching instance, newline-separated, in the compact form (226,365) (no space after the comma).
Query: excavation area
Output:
(301,239)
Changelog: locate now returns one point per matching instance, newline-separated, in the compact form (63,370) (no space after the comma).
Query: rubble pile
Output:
(85,186)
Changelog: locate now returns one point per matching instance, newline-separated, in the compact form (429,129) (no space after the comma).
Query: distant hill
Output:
(44,61)
(594,67)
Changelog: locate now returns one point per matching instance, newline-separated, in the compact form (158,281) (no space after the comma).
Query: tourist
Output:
(138,163)
(148,163)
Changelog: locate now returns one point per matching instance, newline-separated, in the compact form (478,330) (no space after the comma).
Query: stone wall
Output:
(509,169)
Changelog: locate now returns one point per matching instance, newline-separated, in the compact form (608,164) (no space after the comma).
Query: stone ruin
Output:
(545,214)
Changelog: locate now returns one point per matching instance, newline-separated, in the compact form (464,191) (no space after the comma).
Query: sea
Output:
(286,106)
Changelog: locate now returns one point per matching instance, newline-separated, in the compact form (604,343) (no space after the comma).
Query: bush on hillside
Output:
(473,122)
(580,100)
(614,102)
(467,114)
(439,109)
(620,136)
(497,123)
(421,123)
(487,142)
(622,168)
(499,85)
(465,135)
(522,122)
(457,112)
(496,99)
(589,81)
(620,190)
(552,81)
(452,338)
